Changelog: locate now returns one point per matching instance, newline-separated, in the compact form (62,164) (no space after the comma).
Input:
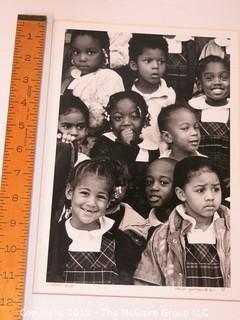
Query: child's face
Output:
(87,54)
(184,133)
(89,201)
(150,66)
(73,124)
(202,196)
(126,120)
(159,183)
(215,82)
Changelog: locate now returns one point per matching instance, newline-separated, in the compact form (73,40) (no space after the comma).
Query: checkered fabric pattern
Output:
(203,266)
(215,143)
(214,128)
(177,73)
(177,70)
(92,267)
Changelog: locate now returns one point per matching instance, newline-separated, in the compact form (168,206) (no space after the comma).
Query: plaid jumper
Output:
(202,265)
(92,267)
(215,136)
(163,261)
(115,263)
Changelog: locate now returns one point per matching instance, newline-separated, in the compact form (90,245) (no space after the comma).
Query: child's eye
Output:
(149,182)
(135,117)
(224,76)
(200,190)
(184,128)
(117,118)
(84,193)
(164,182)
(217,189)
(102,197)
(67,126)
(81,126)
(75,52)
(91,52)
(147,61)
(161,61)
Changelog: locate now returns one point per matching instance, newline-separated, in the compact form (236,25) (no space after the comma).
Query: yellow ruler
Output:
(18,162)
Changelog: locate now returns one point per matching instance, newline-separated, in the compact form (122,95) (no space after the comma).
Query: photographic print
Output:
(138,191)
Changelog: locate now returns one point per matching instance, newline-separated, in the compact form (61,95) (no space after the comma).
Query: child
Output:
(159,191)
(73,123)
(88,247)
(193,248)
(127,114)
(179,128)
(88,78)
(213,106)
(148,58)
(120,211)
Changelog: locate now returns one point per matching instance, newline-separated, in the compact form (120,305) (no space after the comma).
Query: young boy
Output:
(148,58)
(179,128)
(159,191)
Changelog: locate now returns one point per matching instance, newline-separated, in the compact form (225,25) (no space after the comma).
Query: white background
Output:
(210,14)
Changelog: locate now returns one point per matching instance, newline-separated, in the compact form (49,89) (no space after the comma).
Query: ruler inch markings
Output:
(18,161)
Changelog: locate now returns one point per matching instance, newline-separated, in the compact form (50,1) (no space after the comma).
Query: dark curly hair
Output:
(101,36)
(134,97)
(68,103)
(211,58)
(187,168)
(139,42)
(102,167)
(165,114)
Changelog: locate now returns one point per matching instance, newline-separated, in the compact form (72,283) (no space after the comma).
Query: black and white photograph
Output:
(137,183)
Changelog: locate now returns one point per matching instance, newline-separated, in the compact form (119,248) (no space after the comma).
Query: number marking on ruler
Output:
(18,162)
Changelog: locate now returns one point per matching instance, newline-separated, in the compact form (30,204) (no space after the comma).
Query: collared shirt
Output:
(166,154)
(156,100)
(198,235)
(210,113)
(152,219)
(83,240)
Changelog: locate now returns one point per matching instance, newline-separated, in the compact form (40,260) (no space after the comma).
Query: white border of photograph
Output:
(40,285)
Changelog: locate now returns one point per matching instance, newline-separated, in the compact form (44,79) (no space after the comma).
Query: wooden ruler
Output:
(18,162)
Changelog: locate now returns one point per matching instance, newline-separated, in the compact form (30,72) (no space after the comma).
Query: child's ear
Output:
(180,194)
(166,136)
(68,192)
(133,65)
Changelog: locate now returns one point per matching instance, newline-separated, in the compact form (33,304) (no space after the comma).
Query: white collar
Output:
(110,135)
(152,218)
(200,103)
(83,240)
(198,235)
(162,91)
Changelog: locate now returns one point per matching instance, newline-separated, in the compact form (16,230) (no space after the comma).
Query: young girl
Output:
(193,247)
(88,247)
(179,127)
(73,123)
(127,114)
(214,108)
(119,211)
(88,77)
